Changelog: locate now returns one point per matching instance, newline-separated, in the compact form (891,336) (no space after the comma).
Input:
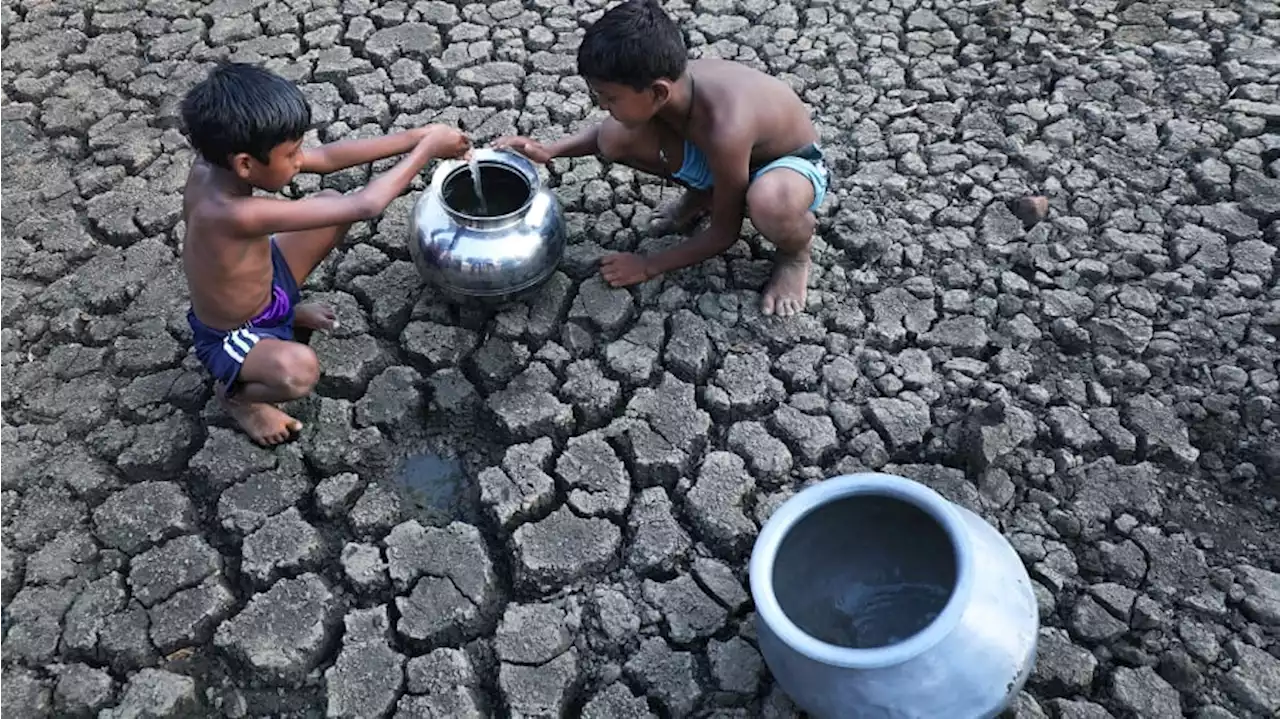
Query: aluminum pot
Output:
(498,251)
(877,597)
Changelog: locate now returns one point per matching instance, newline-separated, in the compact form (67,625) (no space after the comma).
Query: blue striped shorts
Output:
(695,171)
(222,352)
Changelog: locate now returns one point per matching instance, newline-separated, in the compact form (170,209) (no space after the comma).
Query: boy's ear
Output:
(241,164)
(661,91)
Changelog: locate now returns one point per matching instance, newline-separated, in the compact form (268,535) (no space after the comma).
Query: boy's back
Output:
(228,277)
(740,100)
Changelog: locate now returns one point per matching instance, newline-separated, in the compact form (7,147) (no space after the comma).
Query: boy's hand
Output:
(624,269)
(446,142)
(531,149)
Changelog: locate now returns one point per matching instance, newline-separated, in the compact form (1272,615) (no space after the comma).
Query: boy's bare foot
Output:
(787,290)
(682,214)
(315,316)
(265,424)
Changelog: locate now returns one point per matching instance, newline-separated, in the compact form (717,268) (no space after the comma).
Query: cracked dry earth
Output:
(1100,385)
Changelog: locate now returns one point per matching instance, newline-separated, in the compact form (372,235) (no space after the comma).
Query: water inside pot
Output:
(505,191)
(865,571)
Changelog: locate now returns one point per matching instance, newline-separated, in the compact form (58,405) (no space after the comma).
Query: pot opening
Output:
(505,191)
(865,571)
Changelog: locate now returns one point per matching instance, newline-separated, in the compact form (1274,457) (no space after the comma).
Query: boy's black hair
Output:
(243,108)
(633,44)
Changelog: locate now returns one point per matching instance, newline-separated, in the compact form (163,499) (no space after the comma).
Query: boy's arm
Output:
(585,142)
(729,160)
(258,216)
(349,153)
(579,145)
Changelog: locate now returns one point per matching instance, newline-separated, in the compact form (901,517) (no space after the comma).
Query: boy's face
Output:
(284,163)
(630,107)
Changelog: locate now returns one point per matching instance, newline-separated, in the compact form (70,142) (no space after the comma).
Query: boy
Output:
(245,255)
(736,138)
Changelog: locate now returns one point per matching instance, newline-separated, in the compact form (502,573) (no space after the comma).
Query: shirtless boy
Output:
(736,138)
(245,255)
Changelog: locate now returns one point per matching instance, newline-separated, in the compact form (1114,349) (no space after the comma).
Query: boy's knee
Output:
(297,368)
(775,201)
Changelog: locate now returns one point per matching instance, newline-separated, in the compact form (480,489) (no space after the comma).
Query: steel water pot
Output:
(877,597)
(497,249)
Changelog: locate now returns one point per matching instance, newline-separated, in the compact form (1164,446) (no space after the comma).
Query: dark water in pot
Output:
(865,572)
(505,191)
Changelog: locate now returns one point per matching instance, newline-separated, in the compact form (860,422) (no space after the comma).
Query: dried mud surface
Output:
(1100,385)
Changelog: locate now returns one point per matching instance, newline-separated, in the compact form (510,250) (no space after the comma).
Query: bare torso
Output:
(229,277)
(731,93)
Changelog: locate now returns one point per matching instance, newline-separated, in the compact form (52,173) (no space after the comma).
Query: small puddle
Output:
(433,487)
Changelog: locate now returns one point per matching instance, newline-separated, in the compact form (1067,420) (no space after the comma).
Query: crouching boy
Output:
(740,141)
(245,255)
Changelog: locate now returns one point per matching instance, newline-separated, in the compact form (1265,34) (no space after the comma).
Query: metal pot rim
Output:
(511,160)
(792,511)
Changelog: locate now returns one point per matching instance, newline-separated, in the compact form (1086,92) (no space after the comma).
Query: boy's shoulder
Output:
(206,202)
(732,119)
(202,185)
(731,76)
(736,91)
